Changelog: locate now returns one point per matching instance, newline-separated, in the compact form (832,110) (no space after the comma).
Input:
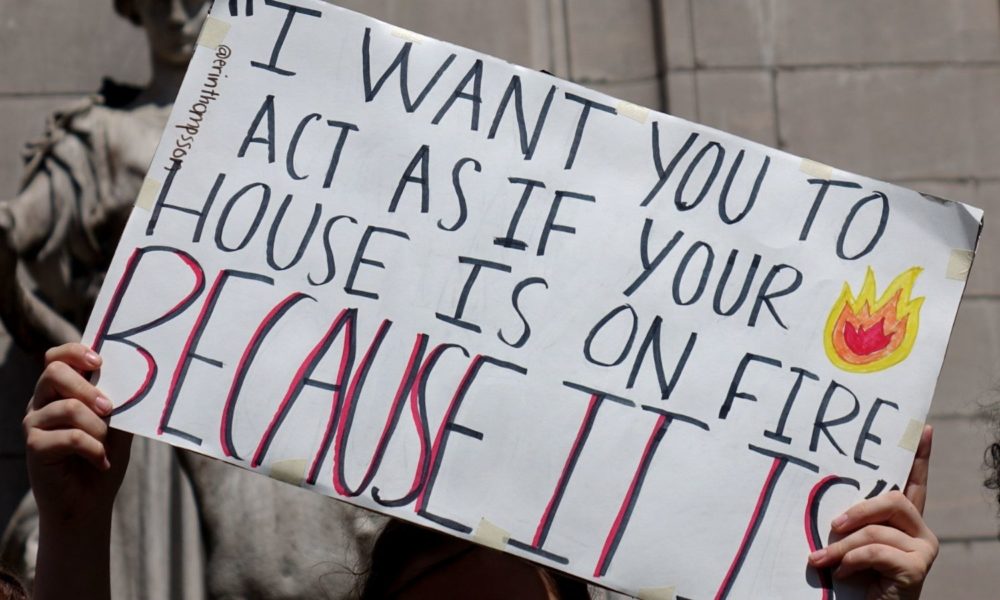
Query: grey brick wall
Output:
(904,90)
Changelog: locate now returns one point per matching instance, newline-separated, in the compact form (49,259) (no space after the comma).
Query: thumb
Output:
(916,483)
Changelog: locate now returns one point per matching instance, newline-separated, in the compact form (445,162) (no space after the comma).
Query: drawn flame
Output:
(866,333)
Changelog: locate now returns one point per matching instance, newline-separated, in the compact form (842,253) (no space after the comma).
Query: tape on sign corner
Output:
(406,34)
(490,535)
(661,593)
(934,198)
(816,169)
(959,264)
(911,436)
(632,111)
(147,194)
(213,33)
(289,471)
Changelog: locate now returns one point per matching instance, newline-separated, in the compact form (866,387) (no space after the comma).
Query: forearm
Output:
(73,560)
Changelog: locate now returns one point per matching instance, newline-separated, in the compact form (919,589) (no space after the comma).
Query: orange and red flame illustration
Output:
(868,333)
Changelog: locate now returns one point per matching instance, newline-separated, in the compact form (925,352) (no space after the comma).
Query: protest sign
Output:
(488,301)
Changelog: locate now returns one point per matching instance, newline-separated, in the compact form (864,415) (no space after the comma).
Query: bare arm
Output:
(76,464)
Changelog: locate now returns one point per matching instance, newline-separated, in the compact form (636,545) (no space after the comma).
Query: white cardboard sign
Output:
(477,297)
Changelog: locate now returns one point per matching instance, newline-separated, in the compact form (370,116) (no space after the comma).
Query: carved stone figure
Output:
(184,526)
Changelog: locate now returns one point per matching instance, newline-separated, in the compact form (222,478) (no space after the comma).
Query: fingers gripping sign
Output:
(63,378)
(75,461)
(886,537)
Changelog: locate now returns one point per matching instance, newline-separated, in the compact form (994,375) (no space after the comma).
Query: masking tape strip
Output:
(816,169)
(406,34)
(911,437)
(213,33)
(289,471)
(147,194)
(490,535)
(959,264)
(933,198)
(632,111)
(660,593)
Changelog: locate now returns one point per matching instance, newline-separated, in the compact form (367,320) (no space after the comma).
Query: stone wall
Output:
(903,90)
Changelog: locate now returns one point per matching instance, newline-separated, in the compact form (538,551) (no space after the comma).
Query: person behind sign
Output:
(76,464)
(993,464)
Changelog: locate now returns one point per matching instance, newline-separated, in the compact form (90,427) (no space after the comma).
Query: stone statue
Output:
(80,182)
(185,526)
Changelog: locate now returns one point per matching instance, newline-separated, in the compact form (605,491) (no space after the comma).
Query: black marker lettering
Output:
(449,426)
(765,296)
(272,64)
(664,173)
(402,62)
(294,145)
(246,361)
(202,214)
(190,350)
(418,410)
(345,130)
(509,241)
(463,210)
(867,435)
(272,235)
(706,270)
(883,221)
(824,186)
(331,265)
(475,77)
(548,516)
(422,159)
(463,298)
(406,388)
(550,221)
(252,230)
(724,198)
(515,298)
(588,344)
(734,386)
(266,111)
(344,322)
(823,425)
(359,259)
(724,281)
(614,538)
(720,155)
(104,333)
(779,432)
(514,90)
(648,266)
(652,340)
(581,123)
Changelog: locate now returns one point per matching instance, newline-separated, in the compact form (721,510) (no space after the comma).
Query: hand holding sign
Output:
(887,534)
(76,464)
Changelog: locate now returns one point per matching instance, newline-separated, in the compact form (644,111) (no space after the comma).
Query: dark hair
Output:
(993,464)
(406,557)
(11,587)
(126,8)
